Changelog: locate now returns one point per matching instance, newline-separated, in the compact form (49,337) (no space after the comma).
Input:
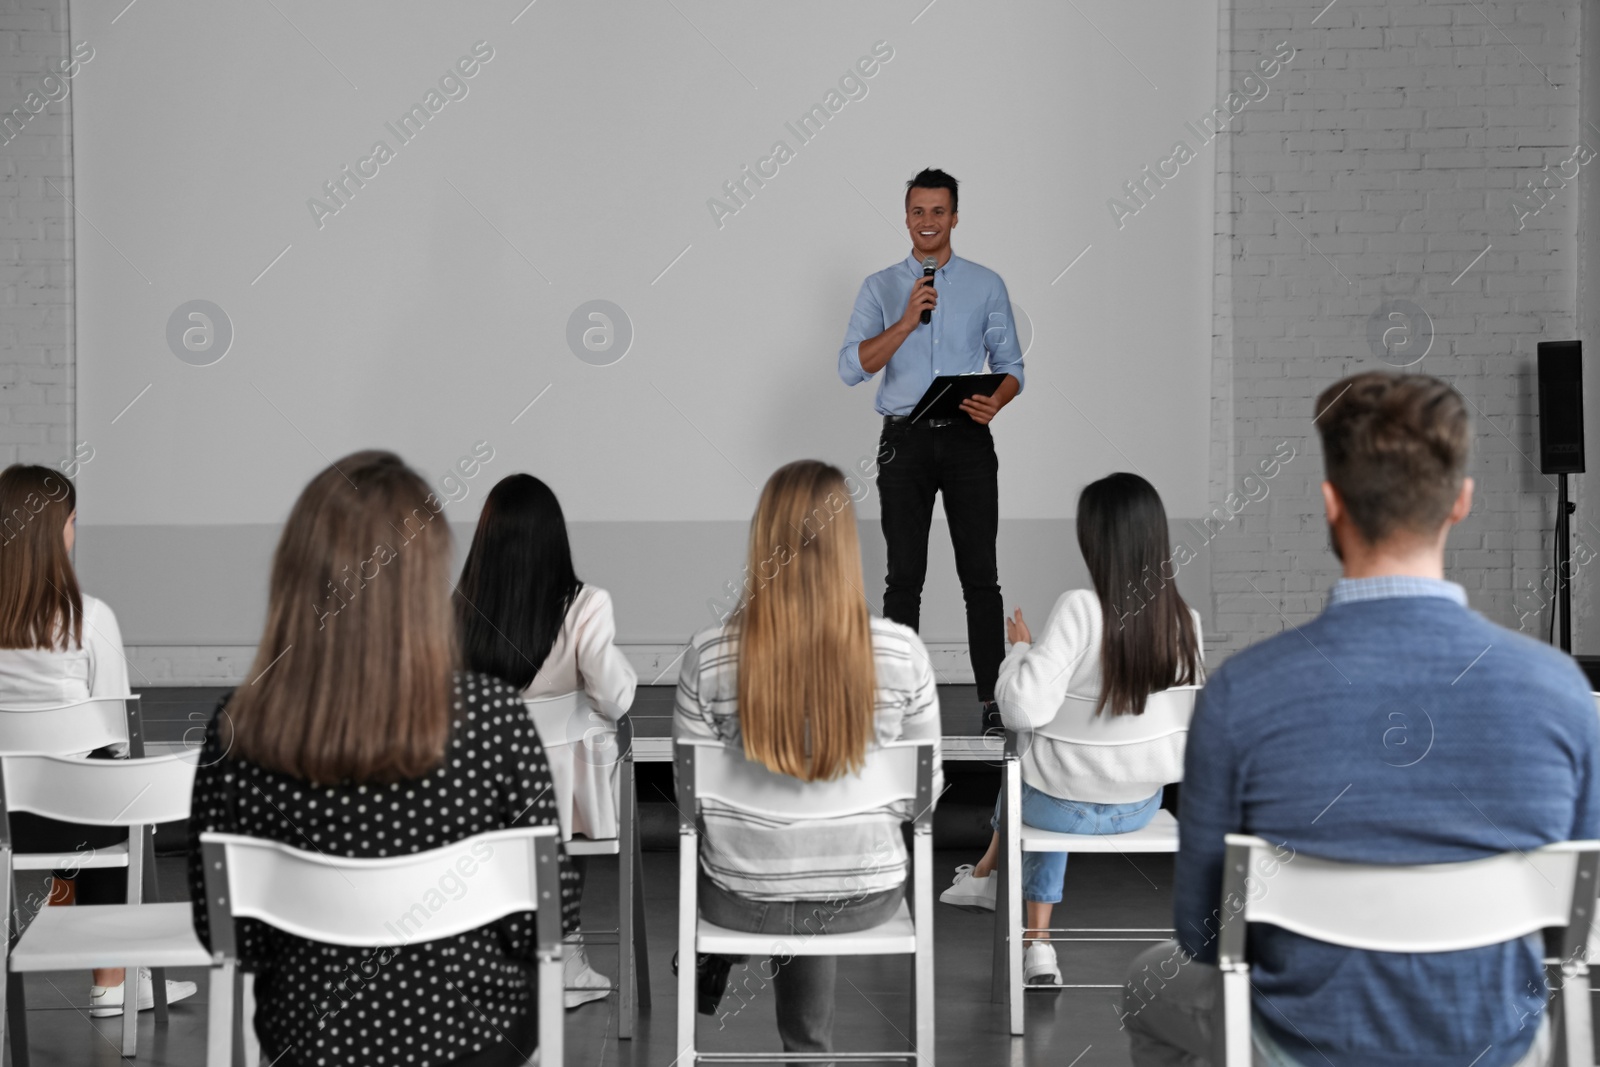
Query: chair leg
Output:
(688,924)
(1011,861)
(1236,1044)
(641,940)
(16,1020)
(130,1011)
(552,1013)
(219,1017)
(998,986)
(152,894)
(922,888)
(627,978)
(138,878)
(246,1020)
(1575,1041)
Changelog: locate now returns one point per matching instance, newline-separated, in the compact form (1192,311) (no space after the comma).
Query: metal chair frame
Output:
(910,932)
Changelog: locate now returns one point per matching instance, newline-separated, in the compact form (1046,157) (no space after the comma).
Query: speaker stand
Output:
(1564,509)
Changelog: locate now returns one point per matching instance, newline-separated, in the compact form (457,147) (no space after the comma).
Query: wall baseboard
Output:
(656,664)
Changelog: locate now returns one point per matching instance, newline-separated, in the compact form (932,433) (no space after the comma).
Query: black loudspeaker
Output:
(1561,407)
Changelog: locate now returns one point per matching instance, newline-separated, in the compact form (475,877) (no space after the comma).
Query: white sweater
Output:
(1034,682)
(46,678)
(582,769)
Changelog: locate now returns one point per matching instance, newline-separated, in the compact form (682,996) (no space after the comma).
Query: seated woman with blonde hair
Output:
(806,680)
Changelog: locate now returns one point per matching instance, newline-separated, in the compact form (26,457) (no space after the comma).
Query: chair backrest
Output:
(100,792)
(1165,713)
(1438,907)
(571,717)
(389,901)
(711,770)
(82,726)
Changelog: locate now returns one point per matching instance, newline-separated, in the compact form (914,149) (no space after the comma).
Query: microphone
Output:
(929,265)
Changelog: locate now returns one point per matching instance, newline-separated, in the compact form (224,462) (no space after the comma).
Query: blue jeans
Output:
(1043,872)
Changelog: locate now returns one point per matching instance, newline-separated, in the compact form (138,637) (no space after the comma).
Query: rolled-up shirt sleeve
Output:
(866,321)
(1000,337)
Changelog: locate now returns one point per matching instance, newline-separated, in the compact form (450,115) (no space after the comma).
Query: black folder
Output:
(943,398)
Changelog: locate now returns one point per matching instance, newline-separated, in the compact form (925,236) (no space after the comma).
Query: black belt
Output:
(896,420)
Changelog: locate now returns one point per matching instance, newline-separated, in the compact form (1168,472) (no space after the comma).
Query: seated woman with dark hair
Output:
(357,736)
(60,646)
(525,617)
(1152,643)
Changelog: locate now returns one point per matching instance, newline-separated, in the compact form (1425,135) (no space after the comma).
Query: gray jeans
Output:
(802,985)
(1177,1021)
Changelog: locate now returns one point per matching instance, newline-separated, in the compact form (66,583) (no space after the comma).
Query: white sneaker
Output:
(969,892)
(106,1001)
(590,984)
(1039,964)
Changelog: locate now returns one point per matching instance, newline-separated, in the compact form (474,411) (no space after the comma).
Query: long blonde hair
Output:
(806,678)
(352,680)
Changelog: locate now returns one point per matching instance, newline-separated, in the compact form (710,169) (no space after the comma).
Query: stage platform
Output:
(176,714)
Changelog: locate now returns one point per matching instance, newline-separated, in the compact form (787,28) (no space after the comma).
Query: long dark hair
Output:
(517,583)
(1149,638)
(40,605)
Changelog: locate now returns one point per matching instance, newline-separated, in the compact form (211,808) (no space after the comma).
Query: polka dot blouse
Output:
(417,1005)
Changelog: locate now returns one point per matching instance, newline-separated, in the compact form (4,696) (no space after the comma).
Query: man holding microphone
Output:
(915,326)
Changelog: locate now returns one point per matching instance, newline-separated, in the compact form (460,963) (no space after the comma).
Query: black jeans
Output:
(917,462)
(95,885)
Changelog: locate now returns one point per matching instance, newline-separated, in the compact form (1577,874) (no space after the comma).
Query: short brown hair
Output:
(352,680)
(1395,447)
(40,605)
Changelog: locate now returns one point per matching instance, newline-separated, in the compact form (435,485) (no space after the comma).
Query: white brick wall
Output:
(1388,152)
(36,321)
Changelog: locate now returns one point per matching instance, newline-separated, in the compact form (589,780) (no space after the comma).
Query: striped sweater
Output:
(822,859)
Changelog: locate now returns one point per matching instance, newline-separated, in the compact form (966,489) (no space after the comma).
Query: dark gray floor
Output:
(1074,1028)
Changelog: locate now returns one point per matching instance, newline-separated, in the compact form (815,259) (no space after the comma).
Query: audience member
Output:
(1151,644)
(805,680)
(1398,727)
(357,736)
(61,646)
(526,618)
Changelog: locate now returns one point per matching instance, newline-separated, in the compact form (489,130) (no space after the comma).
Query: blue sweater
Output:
(1399,730)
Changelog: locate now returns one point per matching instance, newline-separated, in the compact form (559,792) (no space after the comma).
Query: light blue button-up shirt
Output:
(971,326)
(1384,586)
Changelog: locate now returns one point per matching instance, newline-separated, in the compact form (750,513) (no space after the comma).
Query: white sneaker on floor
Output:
(1039,964)
(590,984)
(106,1001)
(970,893)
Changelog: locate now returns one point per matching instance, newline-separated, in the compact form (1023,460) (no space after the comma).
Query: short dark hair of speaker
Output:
(1561,407)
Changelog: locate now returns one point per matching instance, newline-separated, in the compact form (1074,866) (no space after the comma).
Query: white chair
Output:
(374,903)
(1166,713)
(82,726)
(138,794)
(1441,907)
(903,771)
(570,730)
